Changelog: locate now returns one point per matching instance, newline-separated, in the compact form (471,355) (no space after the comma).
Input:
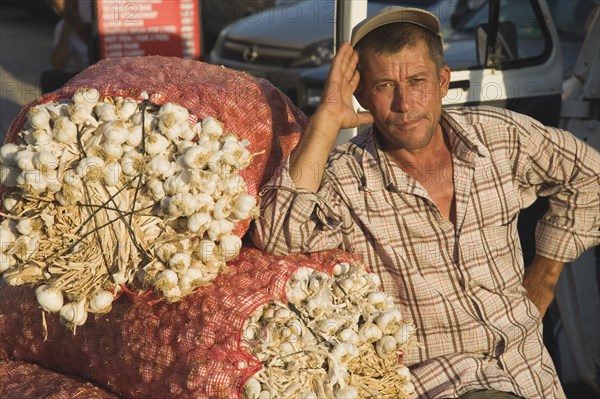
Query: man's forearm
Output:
(307,161)
(336,111)
(540,281)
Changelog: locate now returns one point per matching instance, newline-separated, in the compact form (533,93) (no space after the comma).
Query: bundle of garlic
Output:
(337,337)
(106,193)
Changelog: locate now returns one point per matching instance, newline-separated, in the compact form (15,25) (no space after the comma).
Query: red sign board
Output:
(130,28)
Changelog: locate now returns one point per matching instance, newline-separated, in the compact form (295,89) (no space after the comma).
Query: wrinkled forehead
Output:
(411,56)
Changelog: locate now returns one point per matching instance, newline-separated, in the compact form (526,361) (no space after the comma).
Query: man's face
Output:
(404,93)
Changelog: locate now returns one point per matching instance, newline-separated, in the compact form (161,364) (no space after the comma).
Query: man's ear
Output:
(444,80)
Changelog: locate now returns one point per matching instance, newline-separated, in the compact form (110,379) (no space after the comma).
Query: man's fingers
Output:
(354,81)
(350,60)
(344,62)
(364,118)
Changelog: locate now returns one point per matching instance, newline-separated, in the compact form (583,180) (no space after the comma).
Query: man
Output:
(72,35)
(430,199)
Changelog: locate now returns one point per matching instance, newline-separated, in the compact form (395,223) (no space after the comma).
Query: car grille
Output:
(258,54)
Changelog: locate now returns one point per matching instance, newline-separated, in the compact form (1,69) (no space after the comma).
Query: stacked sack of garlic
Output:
(140,173)
(105,190)
(338,336)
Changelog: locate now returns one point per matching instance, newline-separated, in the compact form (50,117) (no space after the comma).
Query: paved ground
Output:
(25,44)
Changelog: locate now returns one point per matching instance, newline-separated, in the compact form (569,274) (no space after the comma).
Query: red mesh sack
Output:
(250,107)
(20,380)
(148,349)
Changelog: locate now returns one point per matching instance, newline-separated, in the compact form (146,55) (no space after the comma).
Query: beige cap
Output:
(393,14)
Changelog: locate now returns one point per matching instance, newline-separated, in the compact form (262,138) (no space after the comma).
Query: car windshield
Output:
(568,16)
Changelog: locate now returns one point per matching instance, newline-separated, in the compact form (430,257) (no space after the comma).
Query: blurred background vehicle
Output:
(216,14)
(460,47)
(282,43)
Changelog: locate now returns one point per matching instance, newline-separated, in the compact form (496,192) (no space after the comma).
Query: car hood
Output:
(294,25)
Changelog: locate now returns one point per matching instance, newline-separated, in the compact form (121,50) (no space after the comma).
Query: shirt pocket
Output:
(379,219)
(503,254)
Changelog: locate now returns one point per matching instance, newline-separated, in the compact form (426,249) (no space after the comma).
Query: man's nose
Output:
(402,99)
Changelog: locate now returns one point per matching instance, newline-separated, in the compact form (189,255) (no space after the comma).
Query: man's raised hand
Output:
(336,102)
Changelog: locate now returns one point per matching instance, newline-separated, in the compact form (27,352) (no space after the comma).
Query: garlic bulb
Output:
(252,388)
(26,226)
(9,203)
(369,333)
(24,160)
(74,313)
(404,372)
(133,163)
(91,169)
(8,152)
(158,166)
(16,276)
(350,336)
(389,321)
(341,268)
(126,109)
(207,250)
(405,331)
(134,139)
(44,160)
(25,246)
(101,302)
(106,112)
(9,175)
(112,174)
(344,352)
(385,346)
(7,237)
(211,127)
(39,118)
(348,392)
(7,261)
(64,131)
(156,144)
(49,299)
(87,97)
(180,262)
(219,229)
(230,246)
(199,222)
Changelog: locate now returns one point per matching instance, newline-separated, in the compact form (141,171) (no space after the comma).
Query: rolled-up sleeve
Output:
(295,220)
(568,171)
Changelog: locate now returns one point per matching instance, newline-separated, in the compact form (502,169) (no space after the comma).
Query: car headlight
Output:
(316,54)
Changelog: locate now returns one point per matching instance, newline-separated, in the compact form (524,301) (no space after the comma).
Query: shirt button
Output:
(472,283)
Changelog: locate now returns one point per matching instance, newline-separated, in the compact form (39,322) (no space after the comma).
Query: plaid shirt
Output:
(460,284)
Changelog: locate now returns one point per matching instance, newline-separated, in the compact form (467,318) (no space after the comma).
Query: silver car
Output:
(281,43)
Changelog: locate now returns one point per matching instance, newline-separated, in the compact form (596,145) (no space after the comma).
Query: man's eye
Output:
(414,82)
(385,85)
